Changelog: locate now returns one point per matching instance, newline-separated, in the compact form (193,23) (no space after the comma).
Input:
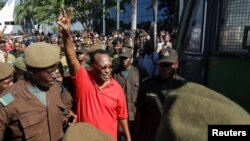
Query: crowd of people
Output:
(120,86)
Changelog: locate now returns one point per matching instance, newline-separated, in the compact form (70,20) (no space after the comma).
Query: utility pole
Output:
(117,14)
(103,18)
(133,14)
(155,10)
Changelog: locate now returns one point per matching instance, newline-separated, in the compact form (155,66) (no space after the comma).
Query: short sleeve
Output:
(122,112)
(80,77)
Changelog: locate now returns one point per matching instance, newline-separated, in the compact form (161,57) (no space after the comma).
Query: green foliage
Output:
(37,11)
(54,29)
(88,12)
(168,11)
(2,5)
(168,8)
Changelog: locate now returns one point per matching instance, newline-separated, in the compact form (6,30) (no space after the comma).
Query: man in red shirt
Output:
(100,100)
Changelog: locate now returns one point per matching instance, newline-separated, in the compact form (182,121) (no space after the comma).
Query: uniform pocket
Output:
(31,126)
(135,92)
(61,107)
(62,112)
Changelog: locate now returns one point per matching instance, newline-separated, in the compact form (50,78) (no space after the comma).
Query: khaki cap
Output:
(6,70)
(41,55)
(126,52)
(95,47)
(11,58)
(129,43)
(191,108)
(85,132)
(168,55)
(20,64)
(81,50)
(86,42)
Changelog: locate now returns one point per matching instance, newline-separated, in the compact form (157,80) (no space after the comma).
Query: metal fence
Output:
(234,23)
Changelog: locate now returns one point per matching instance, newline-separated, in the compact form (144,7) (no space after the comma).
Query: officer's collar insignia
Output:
(7,99)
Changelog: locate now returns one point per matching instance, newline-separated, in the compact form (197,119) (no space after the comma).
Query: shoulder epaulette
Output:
(6,99)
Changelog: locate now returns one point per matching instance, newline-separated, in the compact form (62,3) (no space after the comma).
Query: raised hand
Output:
(69,119)
(64,20)
(2,32)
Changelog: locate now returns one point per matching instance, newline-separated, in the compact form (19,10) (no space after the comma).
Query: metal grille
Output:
(234,17)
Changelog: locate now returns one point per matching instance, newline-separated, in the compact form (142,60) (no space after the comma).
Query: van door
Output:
(193,55)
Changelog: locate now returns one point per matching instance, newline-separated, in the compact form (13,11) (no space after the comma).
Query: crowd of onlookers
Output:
(13,47)
(134,60)
(120,77)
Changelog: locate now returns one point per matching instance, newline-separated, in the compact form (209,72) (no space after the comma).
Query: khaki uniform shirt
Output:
(150,101)
(131,86)
(26,118)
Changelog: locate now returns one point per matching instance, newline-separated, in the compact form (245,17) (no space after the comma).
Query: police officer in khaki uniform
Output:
(82,55)
(152,93)
(129,76)
(6,75)
(33,109)
(20,69)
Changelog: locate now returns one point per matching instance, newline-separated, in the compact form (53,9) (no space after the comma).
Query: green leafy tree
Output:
(24,14)
(29,12)
(47,10)
(89,12)
(2,5)
(170,12)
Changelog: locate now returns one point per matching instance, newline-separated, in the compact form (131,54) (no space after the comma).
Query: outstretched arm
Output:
(2,32)
(64,22)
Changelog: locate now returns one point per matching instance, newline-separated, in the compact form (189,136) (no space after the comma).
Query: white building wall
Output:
(7,15)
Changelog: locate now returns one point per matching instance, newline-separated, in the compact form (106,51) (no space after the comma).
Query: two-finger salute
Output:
(64,20)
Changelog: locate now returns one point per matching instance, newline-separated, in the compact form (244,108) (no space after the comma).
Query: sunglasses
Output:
(104,67)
